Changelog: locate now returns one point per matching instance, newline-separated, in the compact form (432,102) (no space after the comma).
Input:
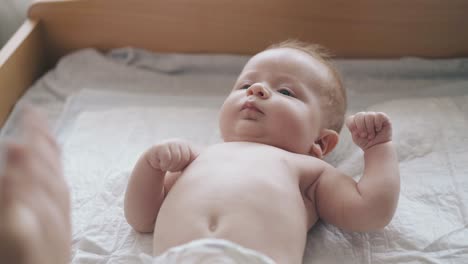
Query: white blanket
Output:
(159,96)
(430,223)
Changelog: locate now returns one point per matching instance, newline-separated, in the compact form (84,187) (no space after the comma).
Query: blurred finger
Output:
(35,128)
(10,175)
(33,117)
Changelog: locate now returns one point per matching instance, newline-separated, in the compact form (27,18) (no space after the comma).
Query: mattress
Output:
(107,108)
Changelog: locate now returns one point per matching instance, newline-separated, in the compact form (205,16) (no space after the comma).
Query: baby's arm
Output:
(370,203)
(146,188)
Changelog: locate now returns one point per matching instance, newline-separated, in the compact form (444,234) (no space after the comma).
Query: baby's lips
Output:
(251,105)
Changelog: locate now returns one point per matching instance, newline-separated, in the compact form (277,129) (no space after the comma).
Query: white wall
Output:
(12,15)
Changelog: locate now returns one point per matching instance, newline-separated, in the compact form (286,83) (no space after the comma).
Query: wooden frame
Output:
(361,28)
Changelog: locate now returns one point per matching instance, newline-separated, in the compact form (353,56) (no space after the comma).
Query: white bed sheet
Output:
(120,103)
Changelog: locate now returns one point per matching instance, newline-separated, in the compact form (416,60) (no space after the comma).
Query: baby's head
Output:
(288,96)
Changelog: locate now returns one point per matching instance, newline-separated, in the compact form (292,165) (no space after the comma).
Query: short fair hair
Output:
(335,104)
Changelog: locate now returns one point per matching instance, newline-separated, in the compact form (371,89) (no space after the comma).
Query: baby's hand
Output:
(171,155)
(369,128)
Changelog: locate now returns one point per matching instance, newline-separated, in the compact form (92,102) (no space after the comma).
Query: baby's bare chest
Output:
(243,166)
(247,180)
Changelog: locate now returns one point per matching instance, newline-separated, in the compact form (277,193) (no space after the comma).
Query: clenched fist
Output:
(171,155)
(369,128)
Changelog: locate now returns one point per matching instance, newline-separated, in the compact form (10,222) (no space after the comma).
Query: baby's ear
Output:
(326,142)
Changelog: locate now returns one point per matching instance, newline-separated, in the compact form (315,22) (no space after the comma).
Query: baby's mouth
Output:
(251,106)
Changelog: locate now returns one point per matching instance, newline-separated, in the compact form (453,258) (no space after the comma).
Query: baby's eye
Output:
(245,86)
(286,92)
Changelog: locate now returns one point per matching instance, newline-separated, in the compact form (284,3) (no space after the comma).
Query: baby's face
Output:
(275,101)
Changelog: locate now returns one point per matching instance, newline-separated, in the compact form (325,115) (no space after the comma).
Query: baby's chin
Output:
(247,139)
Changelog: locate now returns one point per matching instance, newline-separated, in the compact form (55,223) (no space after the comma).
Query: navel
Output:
(213,223)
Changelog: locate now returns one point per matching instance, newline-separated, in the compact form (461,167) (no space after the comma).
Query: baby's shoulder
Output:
(307,165)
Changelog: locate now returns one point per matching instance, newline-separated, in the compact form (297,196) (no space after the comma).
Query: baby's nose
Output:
(259,90)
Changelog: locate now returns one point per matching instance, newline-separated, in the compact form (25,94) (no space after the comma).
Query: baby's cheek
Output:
(295,124)
(225,113)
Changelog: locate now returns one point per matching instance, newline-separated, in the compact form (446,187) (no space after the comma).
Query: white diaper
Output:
(207,251)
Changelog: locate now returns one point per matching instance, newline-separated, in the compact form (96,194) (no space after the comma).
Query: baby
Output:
(252,198)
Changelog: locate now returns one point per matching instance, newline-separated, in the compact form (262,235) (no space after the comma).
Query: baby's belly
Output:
(257,206)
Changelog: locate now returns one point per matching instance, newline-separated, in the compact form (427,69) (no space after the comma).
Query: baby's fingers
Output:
(380,120)
(160,157)
(183,158)
(176,156)
(361,124)
(350,123)
(369,119)
(185,150)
